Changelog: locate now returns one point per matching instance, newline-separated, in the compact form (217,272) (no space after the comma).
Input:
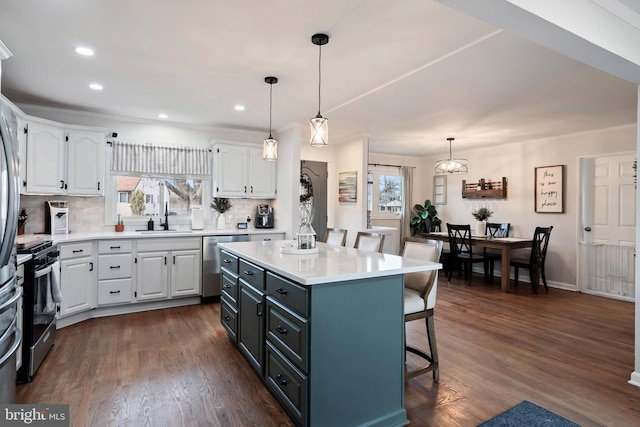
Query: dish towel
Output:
(53,293)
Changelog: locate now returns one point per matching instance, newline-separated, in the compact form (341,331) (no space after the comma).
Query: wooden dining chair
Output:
(420,299)
(369,241)
(536,260)
(461,248)
(335,236)
(493,230)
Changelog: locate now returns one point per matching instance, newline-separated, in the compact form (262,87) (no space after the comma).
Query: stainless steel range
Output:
(41,296)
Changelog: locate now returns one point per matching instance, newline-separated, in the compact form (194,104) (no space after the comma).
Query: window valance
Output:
(128,157)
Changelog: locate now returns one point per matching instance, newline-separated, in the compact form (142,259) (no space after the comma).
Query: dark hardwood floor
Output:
(568,352)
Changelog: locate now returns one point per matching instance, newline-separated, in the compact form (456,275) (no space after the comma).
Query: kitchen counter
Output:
(330,264)
(106,235)
(325,331)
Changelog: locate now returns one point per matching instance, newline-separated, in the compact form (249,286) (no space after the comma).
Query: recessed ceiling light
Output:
(84,51)
(163,116)
(239,107)
(96,86)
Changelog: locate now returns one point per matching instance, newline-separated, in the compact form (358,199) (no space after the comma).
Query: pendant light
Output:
(270,145)
(319,124)
(451,166)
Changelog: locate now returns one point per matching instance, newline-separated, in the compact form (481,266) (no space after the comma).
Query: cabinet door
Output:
(185,273)
(45,159)
(76,284)
(251,325)
(152,279)
(231,171)
(262,176)
(85,161)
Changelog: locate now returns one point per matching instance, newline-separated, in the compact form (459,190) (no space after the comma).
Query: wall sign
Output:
(549,189)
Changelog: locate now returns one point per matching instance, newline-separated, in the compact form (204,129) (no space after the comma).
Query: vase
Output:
(480,228)
(221,222)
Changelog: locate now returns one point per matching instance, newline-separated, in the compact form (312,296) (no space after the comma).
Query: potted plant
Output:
(22,220)
(220,205)
(481,215)
(425,219)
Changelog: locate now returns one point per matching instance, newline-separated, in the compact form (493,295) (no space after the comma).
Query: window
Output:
(384,192)
(143,196)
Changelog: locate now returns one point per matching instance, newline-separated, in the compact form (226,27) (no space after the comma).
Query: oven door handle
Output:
(42,272)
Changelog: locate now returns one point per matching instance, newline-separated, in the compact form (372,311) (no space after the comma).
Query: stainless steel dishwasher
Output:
(211,262)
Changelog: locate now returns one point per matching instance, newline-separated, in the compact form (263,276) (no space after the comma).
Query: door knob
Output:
(587,229)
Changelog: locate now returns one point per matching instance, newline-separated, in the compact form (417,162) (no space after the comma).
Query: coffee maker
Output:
(56,217)
(264,216)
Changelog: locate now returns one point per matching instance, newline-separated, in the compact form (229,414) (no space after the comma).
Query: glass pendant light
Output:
(451,166)
(319,124)
(270,145)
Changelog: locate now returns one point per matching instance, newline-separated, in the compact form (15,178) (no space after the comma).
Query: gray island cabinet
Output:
(324,331)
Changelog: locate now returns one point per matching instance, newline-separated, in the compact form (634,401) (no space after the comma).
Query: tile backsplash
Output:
(86,214)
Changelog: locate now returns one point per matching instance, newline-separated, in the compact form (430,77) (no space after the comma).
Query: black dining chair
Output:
(536,260)
(493,230)
(461,249)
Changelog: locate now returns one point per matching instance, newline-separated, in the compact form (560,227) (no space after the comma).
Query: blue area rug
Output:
(527,414)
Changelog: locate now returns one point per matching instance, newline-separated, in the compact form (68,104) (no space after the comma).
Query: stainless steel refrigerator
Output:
(10,291)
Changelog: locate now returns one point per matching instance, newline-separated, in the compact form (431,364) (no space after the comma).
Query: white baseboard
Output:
(635,379)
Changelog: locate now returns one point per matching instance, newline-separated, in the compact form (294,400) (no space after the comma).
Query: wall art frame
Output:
(549,189)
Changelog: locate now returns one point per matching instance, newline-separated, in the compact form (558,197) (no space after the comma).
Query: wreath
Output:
(306,190)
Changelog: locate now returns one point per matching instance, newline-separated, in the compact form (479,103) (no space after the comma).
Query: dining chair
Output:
(493,230)
(369,241)
(536,260)
(420,299)
(461,249)
(335,236)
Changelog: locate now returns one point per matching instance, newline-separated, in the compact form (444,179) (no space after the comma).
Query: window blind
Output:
(128,157)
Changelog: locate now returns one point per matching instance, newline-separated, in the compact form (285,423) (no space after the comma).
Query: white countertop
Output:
(106,235)
(330,264)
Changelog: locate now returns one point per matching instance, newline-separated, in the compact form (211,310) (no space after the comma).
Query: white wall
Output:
(517,162)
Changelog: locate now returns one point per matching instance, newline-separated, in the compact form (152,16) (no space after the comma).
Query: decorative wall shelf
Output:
(482,188)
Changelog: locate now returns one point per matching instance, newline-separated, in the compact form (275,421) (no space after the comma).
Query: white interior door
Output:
(608,212)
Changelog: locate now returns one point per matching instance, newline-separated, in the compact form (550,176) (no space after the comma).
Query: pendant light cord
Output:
(319,75)
(270,103)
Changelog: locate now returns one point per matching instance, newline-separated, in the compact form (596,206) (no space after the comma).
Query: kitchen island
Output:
(325,331)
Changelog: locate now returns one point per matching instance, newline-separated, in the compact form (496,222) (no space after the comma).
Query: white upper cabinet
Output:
(61,160)
(85,154)
(240,171)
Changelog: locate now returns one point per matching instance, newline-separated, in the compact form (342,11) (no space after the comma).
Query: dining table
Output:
(505,244)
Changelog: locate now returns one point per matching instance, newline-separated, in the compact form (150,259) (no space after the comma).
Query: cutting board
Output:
(27,240)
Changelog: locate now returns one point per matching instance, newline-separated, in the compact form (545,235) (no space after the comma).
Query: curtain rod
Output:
(391,166)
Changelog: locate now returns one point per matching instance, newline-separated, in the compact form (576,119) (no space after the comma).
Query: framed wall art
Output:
(348,187)
(549,189)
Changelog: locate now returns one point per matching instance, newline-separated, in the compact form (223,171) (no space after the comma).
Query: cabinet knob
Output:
(248,272)
(281,380)
(281,291)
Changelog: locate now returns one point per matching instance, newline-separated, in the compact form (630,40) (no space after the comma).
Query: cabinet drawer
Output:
(288,384)
(251,273)
(75,250)
(229,287)
(229,261)
(114,291)
(288,332)
(229,319)
(115,247)
(288,293)
(114,266)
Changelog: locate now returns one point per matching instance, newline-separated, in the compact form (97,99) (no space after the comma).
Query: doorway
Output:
(606,255)
(315,174)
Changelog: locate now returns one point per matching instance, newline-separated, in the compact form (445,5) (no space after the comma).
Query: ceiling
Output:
(406,74)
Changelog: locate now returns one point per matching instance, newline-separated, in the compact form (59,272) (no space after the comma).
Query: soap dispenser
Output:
(150,224)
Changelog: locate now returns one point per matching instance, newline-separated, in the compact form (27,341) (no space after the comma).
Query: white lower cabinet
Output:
(115,272)
(168,268)
(77,278)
